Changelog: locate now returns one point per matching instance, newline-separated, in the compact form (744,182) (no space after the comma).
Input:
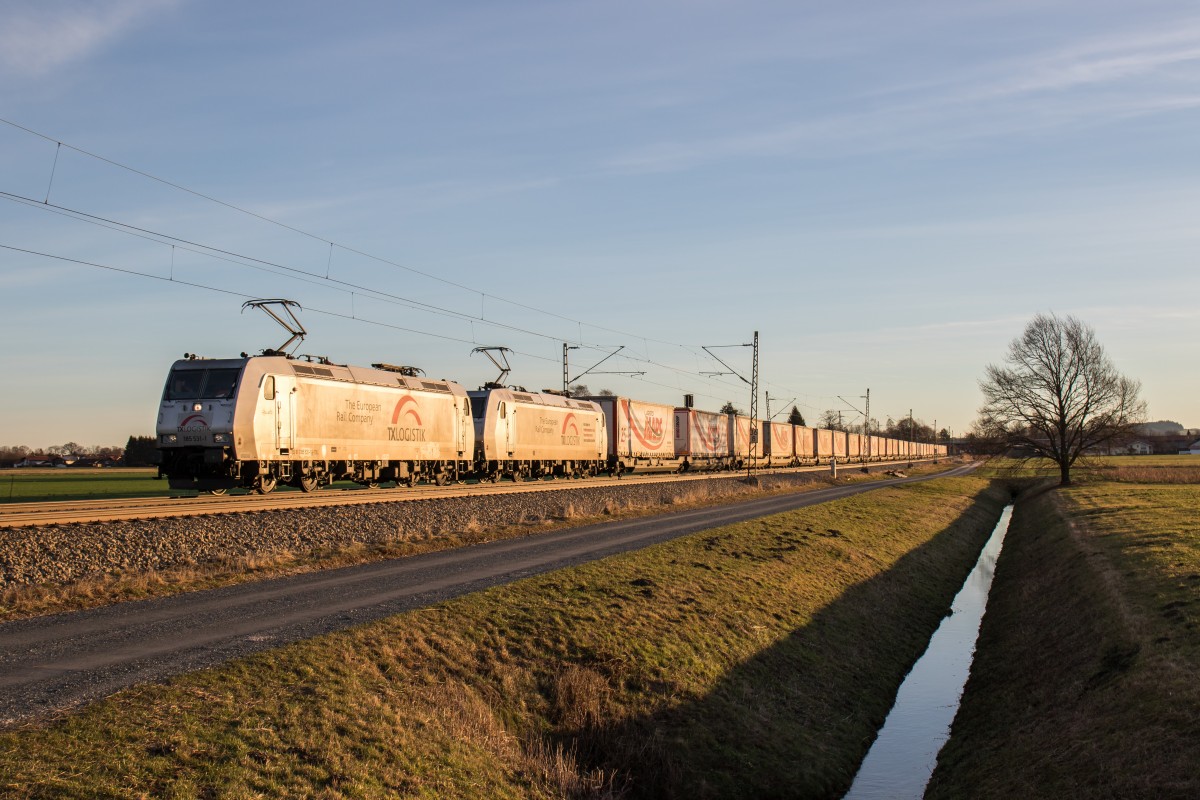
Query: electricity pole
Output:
(867,428)
(753,411)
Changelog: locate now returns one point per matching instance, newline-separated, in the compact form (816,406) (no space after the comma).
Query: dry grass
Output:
(1126,469)
(751,660)
(1139,473)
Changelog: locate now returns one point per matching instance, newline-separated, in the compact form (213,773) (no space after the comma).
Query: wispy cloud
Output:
(1032,93)
(37,38)
(1101,61)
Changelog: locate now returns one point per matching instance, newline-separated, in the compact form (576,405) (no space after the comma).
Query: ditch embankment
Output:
(753,660)
(1086,679)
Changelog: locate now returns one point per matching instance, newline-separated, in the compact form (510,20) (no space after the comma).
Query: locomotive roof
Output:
(537,398)
(325,370)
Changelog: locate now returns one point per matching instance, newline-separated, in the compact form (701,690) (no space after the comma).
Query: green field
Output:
(748,661)
(88,483)
(83,483)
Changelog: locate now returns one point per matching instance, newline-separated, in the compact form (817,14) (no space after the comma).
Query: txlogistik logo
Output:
(408,410)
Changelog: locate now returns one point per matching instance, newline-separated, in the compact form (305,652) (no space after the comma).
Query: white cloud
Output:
(1030,94)
(38,38)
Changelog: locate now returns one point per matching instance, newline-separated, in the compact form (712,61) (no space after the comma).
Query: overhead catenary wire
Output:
(327,281)
(313,309)
(263,218)
(305,276)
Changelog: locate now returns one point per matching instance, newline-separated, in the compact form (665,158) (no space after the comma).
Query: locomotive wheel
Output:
(217,491)
(264,484)
(441,479)
(412,480)
(307,483)
(372,484)
(516,477)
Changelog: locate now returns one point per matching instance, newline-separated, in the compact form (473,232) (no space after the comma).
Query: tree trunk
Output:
(1064,474)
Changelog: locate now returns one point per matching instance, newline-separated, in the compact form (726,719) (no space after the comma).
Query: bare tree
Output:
(831,419)
(1058,394)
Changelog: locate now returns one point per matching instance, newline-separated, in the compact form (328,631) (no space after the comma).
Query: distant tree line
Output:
(139,451)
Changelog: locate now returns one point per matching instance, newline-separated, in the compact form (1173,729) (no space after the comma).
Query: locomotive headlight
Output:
(170,438)
(220,437)
(198,407)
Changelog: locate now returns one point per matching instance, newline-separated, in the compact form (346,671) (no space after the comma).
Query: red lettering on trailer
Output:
(651,430)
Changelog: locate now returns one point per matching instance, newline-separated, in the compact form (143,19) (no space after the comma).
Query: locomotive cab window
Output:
(478,406)
(220,384)
(269,388)
(184,384)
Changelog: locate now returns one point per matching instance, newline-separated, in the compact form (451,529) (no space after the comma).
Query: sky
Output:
(886,192)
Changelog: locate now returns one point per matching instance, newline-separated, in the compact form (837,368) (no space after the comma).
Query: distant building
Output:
(1193,449)
(36,461)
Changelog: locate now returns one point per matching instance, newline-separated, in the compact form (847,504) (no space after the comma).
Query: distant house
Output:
(1139,447)
(1193,449)
(35,461)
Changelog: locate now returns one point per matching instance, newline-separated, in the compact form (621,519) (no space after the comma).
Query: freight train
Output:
(259,421)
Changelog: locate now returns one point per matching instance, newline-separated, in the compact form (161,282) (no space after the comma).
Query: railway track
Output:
(113,509)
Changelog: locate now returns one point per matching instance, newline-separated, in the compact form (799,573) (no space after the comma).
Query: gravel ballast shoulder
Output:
(56,554)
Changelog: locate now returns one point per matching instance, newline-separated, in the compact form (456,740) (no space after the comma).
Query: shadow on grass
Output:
(796,719)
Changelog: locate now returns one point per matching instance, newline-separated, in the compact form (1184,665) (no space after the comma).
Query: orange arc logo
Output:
(406,405)
(569,421)
(196,418)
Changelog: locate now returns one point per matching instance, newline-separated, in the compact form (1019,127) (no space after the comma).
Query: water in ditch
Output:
(901,761)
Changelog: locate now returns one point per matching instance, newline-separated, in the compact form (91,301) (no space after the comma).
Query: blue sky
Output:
(887,192)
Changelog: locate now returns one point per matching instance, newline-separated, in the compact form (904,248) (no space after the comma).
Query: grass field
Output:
(84,483)
(1144,469)
(46,485)
(753,660)
(1086,682)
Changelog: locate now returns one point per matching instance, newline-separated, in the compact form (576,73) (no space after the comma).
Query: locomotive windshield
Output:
(478,406)
(196,384)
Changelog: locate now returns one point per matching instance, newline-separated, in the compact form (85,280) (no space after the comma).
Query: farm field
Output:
(1168,469)
(750,660)
(83,483)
